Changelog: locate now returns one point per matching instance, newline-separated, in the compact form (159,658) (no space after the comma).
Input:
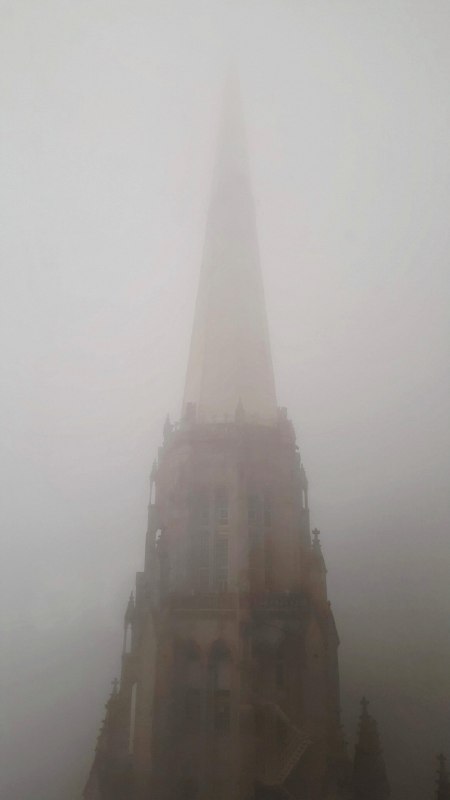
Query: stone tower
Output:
(229,687)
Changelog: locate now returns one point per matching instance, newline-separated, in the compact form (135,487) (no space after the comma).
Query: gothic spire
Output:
(230,362)
(369,772)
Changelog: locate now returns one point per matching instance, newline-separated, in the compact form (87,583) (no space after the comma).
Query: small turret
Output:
(442,780)
(317,550)
(369,772)
(318,572)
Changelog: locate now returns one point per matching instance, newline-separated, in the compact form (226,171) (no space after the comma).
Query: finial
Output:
(316,541)
(364,705)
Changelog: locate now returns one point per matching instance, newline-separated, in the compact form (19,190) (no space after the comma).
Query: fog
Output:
(108,131)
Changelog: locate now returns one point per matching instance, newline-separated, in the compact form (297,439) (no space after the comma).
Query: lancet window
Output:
(221,563)
(253,509)
(222,506)
(220,678)
(200,557)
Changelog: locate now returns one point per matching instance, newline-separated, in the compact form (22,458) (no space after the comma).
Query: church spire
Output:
(369,772)
(230,362)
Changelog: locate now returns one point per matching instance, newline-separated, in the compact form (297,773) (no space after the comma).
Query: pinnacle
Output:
(364,705)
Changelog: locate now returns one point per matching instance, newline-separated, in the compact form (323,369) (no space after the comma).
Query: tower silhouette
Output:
(369,771)
(229,686)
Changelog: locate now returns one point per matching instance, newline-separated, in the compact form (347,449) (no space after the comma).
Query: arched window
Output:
(198,555)
(221,563)
(200,559)
(222,506)
(220,680)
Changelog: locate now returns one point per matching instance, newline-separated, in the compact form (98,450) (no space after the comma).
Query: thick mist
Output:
(108,131)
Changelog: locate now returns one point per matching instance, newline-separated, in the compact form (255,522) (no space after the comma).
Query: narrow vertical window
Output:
(131,737)
(222,506)
(200,559)
(221,563)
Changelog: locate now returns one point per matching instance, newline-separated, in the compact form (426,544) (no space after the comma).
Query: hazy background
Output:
(108,125)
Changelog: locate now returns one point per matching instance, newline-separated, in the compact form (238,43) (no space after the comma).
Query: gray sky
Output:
(107,136)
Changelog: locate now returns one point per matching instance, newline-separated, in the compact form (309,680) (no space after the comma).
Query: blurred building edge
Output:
(229,687)
(442,782)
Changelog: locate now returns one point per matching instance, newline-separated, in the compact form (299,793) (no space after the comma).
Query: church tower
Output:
(229,687)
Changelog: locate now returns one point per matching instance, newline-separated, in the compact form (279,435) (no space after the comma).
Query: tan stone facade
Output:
(229,686)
